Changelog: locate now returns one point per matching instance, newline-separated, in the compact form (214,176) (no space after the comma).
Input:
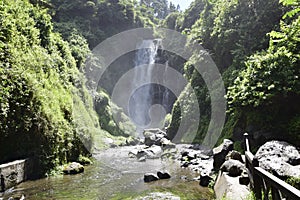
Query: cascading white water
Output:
(142,97)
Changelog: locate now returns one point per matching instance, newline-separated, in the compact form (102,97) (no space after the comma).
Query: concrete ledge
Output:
(13,173)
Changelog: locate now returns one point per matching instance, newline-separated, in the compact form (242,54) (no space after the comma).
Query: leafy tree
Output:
(270,82)
(39,85)
(231,31)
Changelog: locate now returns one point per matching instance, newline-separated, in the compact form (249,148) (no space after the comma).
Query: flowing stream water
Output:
(113,176)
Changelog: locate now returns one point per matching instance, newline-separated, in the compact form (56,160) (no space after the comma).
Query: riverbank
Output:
(119,172)
(114,175)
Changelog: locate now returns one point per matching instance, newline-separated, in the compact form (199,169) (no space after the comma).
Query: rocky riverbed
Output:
(155,168)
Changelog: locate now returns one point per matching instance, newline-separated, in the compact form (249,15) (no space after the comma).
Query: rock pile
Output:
(154,146)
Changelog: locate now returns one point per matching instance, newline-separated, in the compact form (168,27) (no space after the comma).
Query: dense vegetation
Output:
(47,112)
(263,87)
(40,87)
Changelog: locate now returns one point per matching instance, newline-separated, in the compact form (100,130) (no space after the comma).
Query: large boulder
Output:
(220,153)
(163,174)
(233,167)
(280,158)
(73,168)
(149,152)
(235,155)
(149,177)
(244,179)
(205,179)
(227,187)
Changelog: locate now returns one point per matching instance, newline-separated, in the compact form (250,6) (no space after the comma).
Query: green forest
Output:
(48,112)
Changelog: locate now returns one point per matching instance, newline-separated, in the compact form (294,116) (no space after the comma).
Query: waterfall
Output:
(142,98)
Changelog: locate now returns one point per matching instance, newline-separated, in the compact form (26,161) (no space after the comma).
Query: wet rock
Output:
(113,145)
(280,158)
(204,180)
(132,142)
(163,174)
(141,153)
(142,159)
(153,136)
(190,154)
(235,155)
(150,152)
(154,151)
(133,153)
(149,177)
(196,161)
(167,144)
(220,153)
(233,167)
(73,168)
(244,179)
(150,138)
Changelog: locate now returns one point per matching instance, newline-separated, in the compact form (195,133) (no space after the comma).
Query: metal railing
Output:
(265,184)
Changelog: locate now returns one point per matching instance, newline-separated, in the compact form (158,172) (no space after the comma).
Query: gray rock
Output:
(204,180)
(163,174)
(190,154)
(280,158)
(149,177)
(235,155)
(233,167)
(153,136)
(227,187)
(132,142)
(133,153)
(167,144)
(220,153)
(73,168)
(154,151)
(150,138)
(141,153)
(142,159)
(244,179)
(151,152)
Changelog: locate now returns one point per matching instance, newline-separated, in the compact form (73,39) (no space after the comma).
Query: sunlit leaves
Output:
(37,72)
(274,72)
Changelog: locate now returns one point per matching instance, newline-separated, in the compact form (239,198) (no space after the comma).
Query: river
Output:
(114,176)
